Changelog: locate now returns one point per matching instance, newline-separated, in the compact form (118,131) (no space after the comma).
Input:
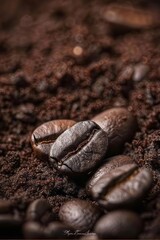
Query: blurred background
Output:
(73,59)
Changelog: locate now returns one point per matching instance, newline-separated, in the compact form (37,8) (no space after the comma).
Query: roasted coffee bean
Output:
(79,149)
(120,126)
(140,72)
(9,225)
(131,18)
(79,214)
(44,136)
(33,230)
(57,230)
(39,210)
(5,206)
(122,187)
(110,164)
(119,224)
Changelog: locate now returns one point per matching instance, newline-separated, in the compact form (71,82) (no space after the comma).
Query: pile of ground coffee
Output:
(65,60)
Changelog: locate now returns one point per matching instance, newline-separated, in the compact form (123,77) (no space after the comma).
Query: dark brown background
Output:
(41,79)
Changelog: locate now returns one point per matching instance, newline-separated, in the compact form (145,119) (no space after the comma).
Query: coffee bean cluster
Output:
(116,186)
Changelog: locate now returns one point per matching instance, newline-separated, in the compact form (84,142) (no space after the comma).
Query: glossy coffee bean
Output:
(110,164)
(122,187)
(119,224)
(79,214)
(39,210)
(120,126)
(57,230)
(33,230)
(5,206)
(44,136)
(79,149)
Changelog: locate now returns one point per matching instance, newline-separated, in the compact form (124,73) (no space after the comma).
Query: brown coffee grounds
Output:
(61,59)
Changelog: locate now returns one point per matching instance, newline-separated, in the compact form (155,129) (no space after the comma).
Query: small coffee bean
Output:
(119,224)
(57,230)
(33,230)
(140,72)
(44,136)
(110,164)
(131,18)
(122,187)
(79,214)
(39,210)
(120,126)
(79,149)
(5,206)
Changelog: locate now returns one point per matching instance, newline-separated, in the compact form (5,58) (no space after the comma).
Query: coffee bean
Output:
(120,126)
(119,224)
(140,72)
(110,164)
(44,136)
(79,149)
(90,236)
(122,187)
(131,18)
(33,230)
(39,210)
(9,226)
(57,230)
(79,214)
(5,206)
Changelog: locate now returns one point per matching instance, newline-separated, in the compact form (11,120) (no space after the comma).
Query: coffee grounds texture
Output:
(60,59)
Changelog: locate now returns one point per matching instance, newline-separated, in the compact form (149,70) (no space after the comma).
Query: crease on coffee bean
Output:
(59,162)
(104,200)
(69,168)
(127,176)
(80,146)
(43,141)
(120,179)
